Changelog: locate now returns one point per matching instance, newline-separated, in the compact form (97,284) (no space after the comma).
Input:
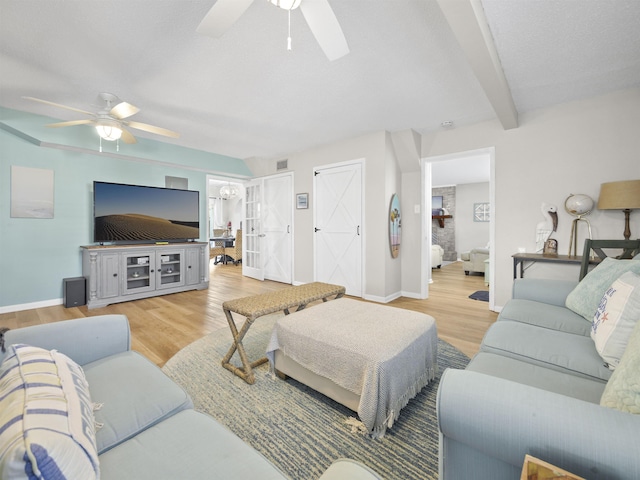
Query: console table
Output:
(521,258)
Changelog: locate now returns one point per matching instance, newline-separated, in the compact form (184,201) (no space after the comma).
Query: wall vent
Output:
(282,164)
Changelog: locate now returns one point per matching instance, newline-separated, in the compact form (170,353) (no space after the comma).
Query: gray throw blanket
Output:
(384,354)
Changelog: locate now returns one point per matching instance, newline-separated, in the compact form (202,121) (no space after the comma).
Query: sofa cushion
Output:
(585,298)
(46,417)
(545,315)
(617,314)
(134,394)
(565,352)
(537,376)
(187,445)
(623,389)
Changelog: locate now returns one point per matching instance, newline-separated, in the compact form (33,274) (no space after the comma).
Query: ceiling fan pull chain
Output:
(100,144)
(289,38)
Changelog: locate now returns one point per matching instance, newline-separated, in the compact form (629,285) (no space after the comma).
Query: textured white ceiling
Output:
(245,95)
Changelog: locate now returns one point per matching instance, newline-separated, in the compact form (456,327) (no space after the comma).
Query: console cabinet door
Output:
(193,266)
(139,270)
(169,269)
(109,264)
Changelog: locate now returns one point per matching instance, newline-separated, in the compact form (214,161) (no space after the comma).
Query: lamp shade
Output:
(619,195)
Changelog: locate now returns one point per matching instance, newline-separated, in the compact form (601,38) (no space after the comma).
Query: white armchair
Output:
(437,253)
(473,261)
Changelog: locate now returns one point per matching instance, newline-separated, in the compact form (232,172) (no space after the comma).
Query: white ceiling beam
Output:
(469,24)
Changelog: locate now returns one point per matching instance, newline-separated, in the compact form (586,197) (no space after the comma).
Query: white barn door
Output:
(337,211)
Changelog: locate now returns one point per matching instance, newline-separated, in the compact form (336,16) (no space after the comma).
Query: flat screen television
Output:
(136,214)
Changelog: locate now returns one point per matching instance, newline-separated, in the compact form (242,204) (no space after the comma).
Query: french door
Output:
(268,229)
(338,226)
(252,258)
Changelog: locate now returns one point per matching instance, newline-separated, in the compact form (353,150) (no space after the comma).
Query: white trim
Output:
(59,146)
(30,306)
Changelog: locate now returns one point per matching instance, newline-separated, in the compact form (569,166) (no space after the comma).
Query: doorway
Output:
(459,163)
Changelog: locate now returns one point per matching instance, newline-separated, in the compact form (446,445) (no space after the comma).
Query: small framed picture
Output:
(302,200)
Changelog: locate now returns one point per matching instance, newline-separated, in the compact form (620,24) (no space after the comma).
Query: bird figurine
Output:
(545,229)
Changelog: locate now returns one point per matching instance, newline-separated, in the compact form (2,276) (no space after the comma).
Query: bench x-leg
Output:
(246,371)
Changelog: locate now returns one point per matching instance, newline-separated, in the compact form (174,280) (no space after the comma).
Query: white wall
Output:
(379,283)
(570,148)
(470,234)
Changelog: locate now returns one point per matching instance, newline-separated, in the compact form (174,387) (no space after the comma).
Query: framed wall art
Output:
(302,200)
(481,212)
(31,192)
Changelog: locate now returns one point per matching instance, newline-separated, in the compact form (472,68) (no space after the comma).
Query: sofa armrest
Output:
(84,340)
(552,292)
(496,422)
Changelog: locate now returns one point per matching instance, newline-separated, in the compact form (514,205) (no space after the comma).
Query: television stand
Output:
(119,273)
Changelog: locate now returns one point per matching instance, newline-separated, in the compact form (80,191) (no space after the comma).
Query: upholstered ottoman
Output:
(371,358)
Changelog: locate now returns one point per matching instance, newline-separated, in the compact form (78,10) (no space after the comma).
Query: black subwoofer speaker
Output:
(74,290)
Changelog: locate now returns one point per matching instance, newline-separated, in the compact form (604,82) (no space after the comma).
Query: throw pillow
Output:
(584,299)
(623,388)
(46,417)
(617,314)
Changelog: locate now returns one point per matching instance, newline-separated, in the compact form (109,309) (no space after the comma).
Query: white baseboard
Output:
(29,306)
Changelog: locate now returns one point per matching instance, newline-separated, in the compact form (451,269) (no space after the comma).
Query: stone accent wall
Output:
(446,237)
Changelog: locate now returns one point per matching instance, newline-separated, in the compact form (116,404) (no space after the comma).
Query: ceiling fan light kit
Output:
(286,4)
(109,131)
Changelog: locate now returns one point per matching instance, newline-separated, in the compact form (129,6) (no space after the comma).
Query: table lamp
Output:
(623,195)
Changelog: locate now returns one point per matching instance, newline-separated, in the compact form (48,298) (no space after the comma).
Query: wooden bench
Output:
(257,306)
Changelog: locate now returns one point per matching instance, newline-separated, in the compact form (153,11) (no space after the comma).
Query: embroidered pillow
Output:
(623,388)
(617,314)
(46,417)
(584,299)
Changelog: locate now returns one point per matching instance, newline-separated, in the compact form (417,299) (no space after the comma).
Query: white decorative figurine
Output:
(547,227)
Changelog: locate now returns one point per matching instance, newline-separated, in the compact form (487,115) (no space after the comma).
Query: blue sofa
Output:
(534,388)
(148,428)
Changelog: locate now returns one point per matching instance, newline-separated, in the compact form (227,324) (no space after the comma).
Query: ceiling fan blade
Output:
(153,129)
(127,136)
(58,105)
(70,123)
(325,27)
(222,15)
(123,110)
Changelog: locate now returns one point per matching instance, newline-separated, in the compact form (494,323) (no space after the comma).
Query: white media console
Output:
(119,273)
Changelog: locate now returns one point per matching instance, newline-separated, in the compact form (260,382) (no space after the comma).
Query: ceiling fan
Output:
(110,121)
(318,14)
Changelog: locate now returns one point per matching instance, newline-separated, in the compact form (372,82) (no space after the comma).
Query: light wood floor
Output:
(161,326)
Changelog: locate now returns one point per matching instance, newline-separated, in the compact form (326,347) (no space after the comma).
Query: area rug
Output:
(481,295)
(299,430)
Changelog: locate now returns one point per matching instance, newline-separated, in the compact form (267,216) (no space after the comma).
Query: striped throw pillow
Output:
(47,428)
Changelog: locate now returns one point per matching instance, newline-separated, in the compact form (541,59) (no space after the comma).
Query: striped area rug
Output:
(297,429)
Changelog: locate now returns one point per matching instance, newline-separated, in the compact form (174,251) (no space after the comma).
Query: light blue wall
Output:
(36,254)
